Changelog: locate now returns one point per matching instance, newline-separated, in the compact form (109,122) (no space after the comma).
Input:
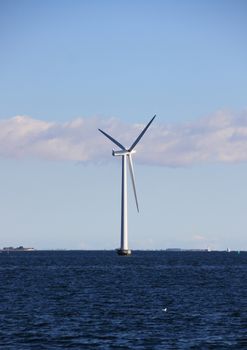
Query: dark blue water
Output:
(98,300)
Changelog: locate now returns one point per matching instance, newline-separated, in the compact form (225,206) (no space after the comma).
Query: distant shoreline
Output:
(17,249)
(168,250)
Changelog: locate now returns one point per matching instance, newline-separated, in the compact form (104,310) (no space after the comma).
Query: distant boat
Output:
(228,250)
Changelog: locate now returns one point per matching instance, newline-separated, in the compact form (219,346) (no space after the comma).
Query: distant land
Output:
(17,249)
(29,249)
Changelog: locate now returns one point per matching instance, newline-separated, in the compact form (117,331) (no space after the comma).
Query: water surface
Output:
(98,300)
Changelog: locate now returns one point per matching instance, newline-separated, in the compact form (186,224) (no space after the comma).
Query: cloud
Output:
(221,137)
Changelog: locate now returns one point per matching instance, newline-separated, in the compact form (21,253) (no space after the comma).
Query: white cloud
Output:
(221,137)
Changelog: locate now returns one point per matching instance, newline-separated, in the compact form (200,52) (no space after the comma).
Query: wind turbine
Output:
(126,154)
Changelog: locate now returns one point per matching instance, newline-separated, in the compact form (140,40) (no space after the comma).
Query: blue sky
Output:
(69,67)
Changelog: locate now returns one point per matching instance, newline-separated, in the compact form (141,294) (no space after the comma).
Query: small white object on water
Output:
(164,309)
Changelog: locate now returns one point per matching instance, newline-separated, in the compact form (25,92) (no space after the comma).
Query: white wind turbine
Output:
(126,154)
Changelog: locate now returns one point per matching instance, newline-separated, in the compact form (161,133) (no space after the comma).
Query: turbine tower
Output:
(126,154)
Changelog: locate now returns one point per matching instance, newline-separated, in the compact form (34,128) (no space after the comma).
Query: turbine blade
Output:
(133,179)
(113,140)
(141,134)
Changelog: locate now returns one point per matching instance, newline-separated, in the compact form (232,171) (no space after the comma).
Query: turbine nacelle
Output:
(122,153)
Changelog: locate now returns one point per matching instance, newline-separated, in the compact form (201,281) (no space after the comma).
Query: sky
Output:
(68,68)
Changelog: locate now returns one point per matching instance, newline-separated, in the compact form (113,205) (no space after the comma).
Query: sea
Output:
(99,300)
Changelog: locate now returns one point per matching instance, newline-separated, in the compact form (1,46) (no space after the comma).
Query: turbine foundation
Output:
(123,252)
